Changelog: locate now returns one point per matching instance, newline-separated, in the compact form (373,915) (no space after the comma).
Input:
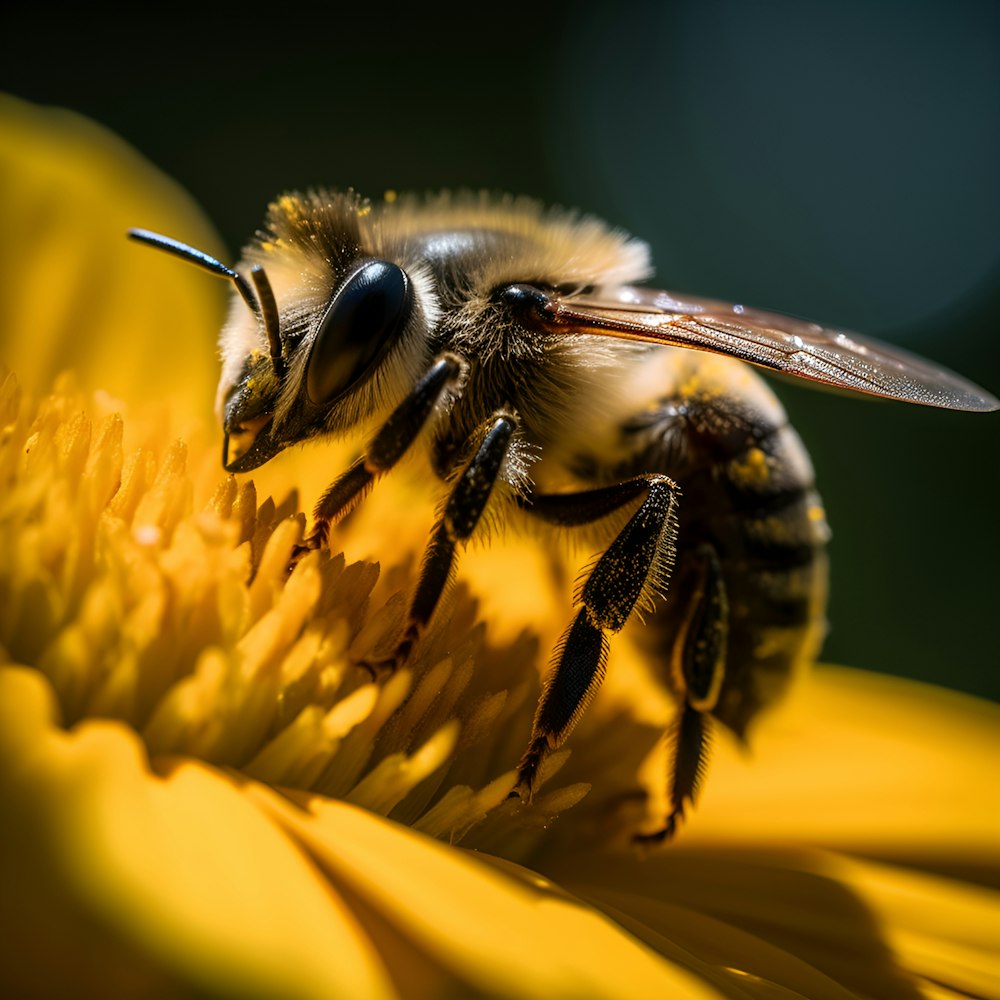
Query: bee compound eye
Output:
(366,312)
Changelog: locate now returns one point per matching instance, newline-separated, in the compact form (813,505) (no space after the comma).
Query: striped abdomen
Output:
(747,491)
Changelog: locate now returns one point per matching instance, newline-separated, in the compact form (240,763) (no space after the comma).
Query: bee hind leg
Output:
(633,566)
(698,664)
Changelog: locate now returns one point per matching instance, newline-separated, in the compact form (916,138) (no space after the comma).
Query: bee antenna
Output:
(269,316)
(199,258)
(262,305)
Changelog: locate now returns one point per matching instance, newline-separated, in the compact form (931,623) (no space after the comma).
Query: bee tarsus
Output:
(461,514)
(698,666)
(465,506)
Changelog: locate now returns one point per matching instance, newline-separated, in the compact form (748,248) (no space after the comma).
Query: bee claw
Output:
(650,840)
(527,770)
(522,792)
(661,836)
(313,541)
(378,670)
(298,553)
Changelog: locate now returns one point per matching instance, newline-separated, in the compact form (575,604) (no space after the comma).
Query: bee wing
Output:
(770,340)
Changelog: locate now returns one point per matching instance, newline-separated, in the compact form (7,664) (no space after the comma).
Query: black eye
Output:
(368,309)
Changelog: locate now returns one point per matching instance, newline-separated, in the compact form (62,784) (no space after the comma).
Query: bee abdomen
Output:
(747,491)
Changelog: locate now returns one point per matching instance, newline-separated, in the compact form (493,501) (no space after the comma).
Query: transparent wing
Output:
(770,340)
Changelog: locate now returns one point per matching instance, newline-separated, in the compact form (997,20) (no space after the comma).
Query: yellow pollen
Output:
(753,470)
(289,205)
(690,387)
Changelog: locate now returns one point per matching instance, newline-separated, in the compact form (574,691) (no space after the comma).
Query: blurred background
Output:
(839,161)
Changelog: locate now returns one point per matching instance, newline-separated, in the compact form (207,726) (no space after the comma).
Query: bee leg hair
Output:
(385,450)
(584,506)
(620,578)
(698,668)
(461,514)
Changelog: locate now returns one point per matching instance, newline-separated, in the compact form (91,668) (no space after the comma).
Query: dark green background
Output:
(839,161)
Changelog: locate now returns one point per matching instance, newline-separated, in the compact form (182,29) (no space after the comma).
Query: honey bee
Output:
(514,345)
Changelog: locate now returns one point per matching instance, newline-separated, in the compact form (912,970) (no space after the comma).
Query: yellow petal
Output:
(945,931)
(780,918)
(864,763)
(497,935)
(817,923)
(178,875)
(78,295)
(854,761)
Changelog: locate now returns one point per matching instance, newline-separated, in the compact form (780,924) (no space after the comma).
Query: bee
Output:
(516,347)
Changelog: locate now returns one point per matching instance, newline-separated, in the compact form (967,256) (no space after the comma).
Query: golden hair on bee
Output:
(512,345)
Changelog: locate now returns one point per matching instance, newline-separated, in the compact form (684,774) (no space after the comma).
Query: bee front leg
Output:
(698,664)
(632,569)
(461,514)
(385,450)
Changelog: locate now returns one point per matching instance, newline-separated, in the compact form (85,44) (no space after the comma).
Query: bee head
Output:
(307,376)
(276,395)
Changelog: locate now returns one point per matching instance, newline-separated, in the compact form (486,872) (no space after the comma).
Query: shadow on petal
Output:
(497,935)
(807,919)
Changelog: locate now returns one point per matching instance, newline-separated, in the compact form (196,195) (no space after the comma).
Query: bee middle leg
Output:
(633,567)
(461,514)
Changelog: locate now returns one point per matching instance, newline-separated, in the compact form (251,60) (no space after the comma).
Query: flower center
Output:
(183,622)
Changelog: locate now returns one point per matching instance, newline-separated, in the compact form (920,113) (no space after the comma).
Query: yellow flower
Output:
(200,796)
